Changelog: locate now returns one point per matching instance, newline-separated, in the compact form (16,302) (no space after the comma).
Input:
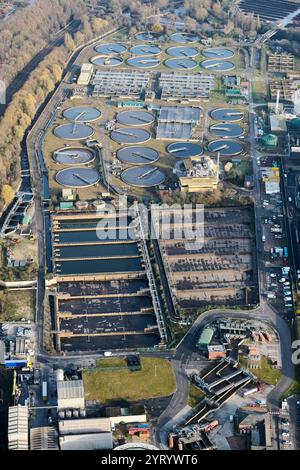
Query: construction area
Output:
(106,295)
(219,269)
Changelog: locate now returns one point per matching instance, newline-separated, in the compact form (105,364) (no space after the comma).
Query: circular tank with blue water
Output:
(106,61)
(217,53)
(111,48)
(143,62)
(227,129)
(185,149)
(147,36)
(217,65)
(182,51)
(143,176)
(77,177)
(179,63)
(227,114)
(82,114)
(137,155)
(184,37)
(73,156)
(130,135)
(145,49)
(225,148)
(73,131)
(135,118)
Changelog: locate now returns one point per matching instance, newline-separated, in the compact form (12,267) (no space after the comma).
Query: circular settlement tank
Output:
(143,176)
(184,37)
(147,36)
(181,63)
(135,118)
(226,148)
(73,131)
(227,114)
(73,156)
(182,51)
(217,65)
(82,114)
(145,49)
(185,149)
(81,205)
(217,53)
(106,61)
(143,62)
(227,129)
(77,177)
(130,135)
(111,48)
(137,155)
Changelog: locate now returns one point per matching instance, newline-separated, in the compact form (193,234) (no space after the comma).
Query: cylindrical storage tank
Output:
(295,124)
(99,204)
(268,140)
(82,413)
(82,205)
(61,414)
(75,413)
(68,414)
(59,374)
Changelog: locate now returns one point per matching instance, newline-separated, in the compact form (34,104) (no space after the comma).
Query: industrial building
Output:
(278,123)
(175,86)
(177,122)
(18,427)
(44,438)
(87,426)
(86,74)
(123,84)
(199,174)
(96,441)
(70,394)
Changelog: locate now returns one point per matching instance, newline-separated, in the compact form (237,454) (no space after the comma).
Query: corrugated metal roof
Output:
(70,389)
(18,427)
(206,336)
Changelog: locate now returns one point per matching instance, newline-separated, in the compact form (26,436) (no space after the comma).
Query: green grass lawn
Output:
(259,90)
(266,373)
(156,379)
(111,362)
(17,304)
(195,395)
(293,389)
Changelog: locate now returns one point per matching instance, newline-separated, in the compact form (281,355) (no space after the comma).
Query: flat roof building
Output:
(95,441)
(18,427)
(70,394)
(86,73)
(199,174)
(88,426)
(205,338)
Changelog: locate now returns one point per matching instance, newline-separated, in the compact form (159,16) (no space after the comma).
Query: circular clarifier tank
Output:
(73,131)
(181,63)
(185,149)
(182,51)
(225,147)
(77,177)
(184,37)
(217,65)
(111,48)
(135,118)
(227,129)
(147,36)
(227,114)
(73,156)
(137,155)
(130,135)
(145,49)
(106,61)
(82,114)
(143,176)
(143,62)
(217,53)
